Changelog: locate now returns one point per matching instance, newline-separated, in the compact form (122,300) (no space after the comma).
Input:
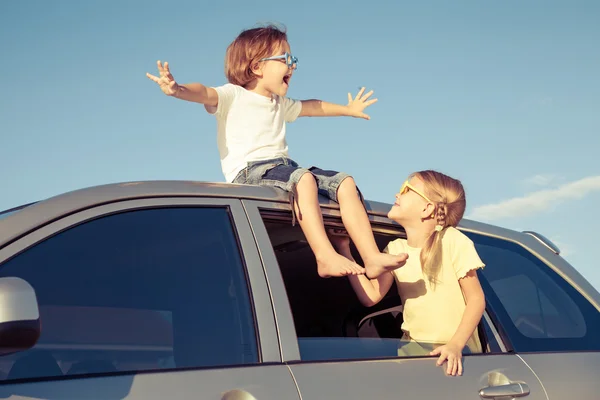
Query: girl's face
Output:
(411,203)
(276,74)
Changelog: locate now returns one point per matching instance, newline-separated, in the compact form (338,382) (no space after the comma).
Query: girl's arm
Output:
(354,108)
(368,291)
(371,291)
(475,301)
(195,92)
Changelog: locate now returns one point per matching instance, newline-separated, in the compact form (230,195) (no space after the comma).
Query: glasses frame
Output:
(290,60)
(407,186)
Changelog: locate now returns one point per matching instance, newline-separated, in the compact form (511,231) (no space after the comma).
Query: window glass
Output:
(140,290)
(535,307)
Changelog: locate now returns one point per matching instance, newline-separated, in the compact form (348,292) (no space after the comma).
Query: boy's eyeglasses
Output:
(289,60)
(407,186)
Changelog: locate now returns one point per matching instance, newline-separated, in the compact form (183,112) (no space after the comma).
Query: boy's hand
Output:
(165,81)
(357,105)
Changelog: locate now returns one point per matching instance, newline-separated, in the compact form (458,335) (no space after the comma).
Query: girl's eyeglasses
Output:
(407,186)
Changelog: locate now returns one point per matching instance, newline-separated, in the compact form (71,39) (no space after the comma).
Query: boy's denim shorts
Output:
(285,174)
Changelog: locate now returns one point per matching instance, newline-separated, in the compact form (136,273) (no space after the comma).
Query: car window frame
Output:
(485,319)
(258,294)
(285,321)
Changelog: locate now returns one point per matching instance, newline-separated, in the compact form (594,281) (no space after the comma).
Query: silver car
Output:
(190,290)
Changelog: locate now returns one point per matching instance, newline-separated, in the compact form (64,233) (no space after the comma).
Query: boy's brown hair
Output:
(248,48)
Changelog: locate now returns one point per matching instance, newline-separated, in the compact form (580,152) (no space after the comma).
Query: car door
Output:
(549,314)
(326,366)
(147,299)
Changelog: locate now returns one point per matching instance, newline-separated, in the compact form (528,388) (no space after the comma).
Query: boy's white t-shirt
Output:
(250,127)
(432,313)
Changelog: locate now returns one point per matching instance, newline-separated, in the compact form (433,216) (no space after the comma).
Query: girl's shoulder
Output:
(460,251)
(455,236)
(396,246)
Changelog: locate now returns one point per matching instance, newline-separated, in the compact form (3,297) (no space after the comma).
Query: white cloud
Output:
(540,180)
(537,201)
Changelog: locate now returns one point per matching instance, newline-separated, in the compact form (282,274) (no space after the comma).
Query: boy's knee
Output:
(307,179)
(347,186)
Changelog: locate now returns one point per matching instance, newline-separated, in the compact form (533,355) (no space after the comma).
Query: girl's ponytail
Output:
(450,203)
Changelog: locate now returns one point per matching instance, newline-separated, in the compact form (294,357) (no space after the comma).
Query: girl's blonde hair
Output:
(248,49)
(448,196)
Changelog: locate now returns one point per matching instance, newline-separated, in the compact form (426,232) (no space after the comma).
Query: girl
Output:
(252,112)
(442,299)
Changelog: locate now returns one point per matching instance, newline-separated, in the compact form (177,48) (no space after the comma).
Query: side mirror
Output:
(19,316)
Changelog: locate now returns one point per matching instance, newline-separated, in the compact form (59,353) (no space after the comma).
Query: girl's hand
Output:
(165,81)
(452,354)
(357,105)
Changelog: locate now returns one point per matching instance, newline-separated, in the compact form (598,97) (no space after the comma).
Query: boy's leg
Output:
(284,173)
(308,210)
(356,222)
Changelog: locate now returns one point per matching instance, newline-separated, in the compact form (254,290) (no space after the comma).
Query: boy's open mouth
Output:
(286,79)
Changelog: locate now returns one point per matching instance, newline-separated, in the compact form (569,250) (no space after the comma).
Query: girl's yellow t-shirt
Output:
(432,313)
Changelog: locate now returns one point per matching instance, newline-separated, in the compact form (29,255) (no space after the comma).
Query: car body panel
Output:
(268,382)
(548,375)
(409,379)
(567,375)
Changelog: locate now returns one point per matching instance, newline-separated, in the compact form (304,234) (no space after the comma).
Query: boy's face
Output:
(276,74)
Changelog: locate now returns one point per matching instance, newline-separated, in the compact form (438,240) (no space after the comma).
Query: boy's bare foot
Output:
(335,265)
(384,262)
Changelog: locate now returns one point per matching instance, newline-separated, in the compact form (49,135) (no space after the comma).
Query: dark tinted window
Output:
(535,307)
(141,290)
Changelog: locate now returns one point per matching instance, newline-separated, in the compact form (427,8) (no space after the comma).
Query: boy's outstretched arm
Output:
(195,92)
(354,108)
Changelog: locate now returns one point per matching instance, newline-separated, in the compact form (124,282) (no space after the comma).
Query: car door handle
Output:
(510,390)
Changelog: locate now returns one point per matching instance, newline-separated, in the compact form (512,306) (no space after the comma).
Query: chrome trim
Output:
(497,336)
(544,240)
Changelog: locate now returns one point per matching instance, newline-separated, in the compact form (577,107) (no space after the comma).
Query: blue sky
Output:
(503,95)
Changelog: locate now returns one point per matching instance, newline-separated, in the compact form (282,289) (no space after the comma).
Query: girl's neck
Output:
(417,236)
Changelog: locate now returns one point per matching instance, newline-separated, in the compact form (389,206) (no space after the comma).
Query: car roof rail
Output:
(544,240)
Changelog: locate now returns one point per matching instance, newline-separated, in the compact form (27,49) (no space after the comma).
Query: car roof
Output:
(50,209)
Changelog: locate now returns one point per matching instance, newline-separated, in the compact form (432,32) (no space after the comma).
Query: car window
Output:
(535,307)
(140,290)
(329,320)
